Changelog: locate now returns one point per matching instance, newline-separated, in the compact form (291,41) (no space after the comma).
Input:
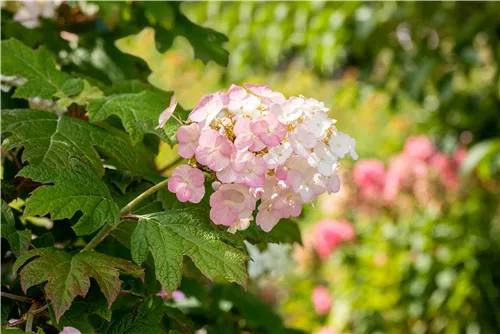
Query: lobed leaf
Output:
(69,275)
(61,151)
(36,66)
(170,235)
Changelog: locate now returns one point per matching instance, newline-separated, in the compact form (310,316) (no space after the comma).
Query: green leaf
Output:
(143,319)
(139,113)
(38,67)
(286,231)
(61,150)
(179,319)
(81,309)
(207,43)
(170,235)
(85,94)
(17,239)
(68,276)
(72,87)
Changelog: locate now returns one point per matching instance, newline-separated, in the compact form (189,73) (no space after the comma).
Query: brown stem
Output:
(20,298)
(16,161)
(130,217)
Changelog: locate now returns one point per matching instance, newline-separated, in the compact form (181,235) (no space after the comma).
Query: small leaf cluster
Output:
(89,240)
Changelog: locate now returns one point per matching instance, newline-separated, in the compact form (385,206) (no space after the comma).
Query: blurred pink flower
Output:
(419,147)
(326,330)
(329,233)
(459,155)
(321,300)
(178,295)
(443,165)
(369,175)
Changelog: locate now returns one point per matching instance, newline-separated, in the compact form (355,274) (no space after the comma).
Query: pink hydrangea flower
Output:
(236,97)
(268,215)
(207,109)
(269,130)
(328,234)
(187,183)
(167,113)
(188,136)
(245,138)
(321,300)
(214,150)
(230,203)
(257,144)
(419,147)
(266,93)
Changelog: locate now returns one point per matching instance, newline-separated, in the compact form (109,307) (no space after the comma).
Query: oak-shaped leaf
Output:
(17,239)
(36,66)
(171,234)
(69,275)
(138,112)
(62,151)
(142,319)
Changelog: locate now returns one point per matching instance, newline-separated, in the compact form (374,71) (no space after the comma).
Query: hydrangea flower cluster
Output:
(256,145)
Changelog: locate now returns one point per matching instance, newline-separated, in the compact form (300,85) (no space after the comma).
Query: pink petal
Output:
(184,193)
(196,177)
(175,182)
(167,113)
(259,127)
(223,215)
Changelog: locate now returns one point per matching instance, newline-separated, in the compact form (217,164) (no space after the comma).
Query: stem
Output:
(103,233)
(20,298)
(31,317)
(127,208)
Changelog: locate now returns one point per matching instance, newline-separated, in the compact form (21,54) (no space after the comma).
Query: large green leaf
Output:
(139,113)
(38,67)
(143,319)
(170,235)
(17,239)
(61,150)
(69,275)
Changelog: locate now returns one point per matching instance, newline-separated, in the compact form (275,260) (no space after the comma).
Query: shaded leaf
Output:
(286,231)
(170,235)
(68,276)
(81,309)
(143,319)
(17,239)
